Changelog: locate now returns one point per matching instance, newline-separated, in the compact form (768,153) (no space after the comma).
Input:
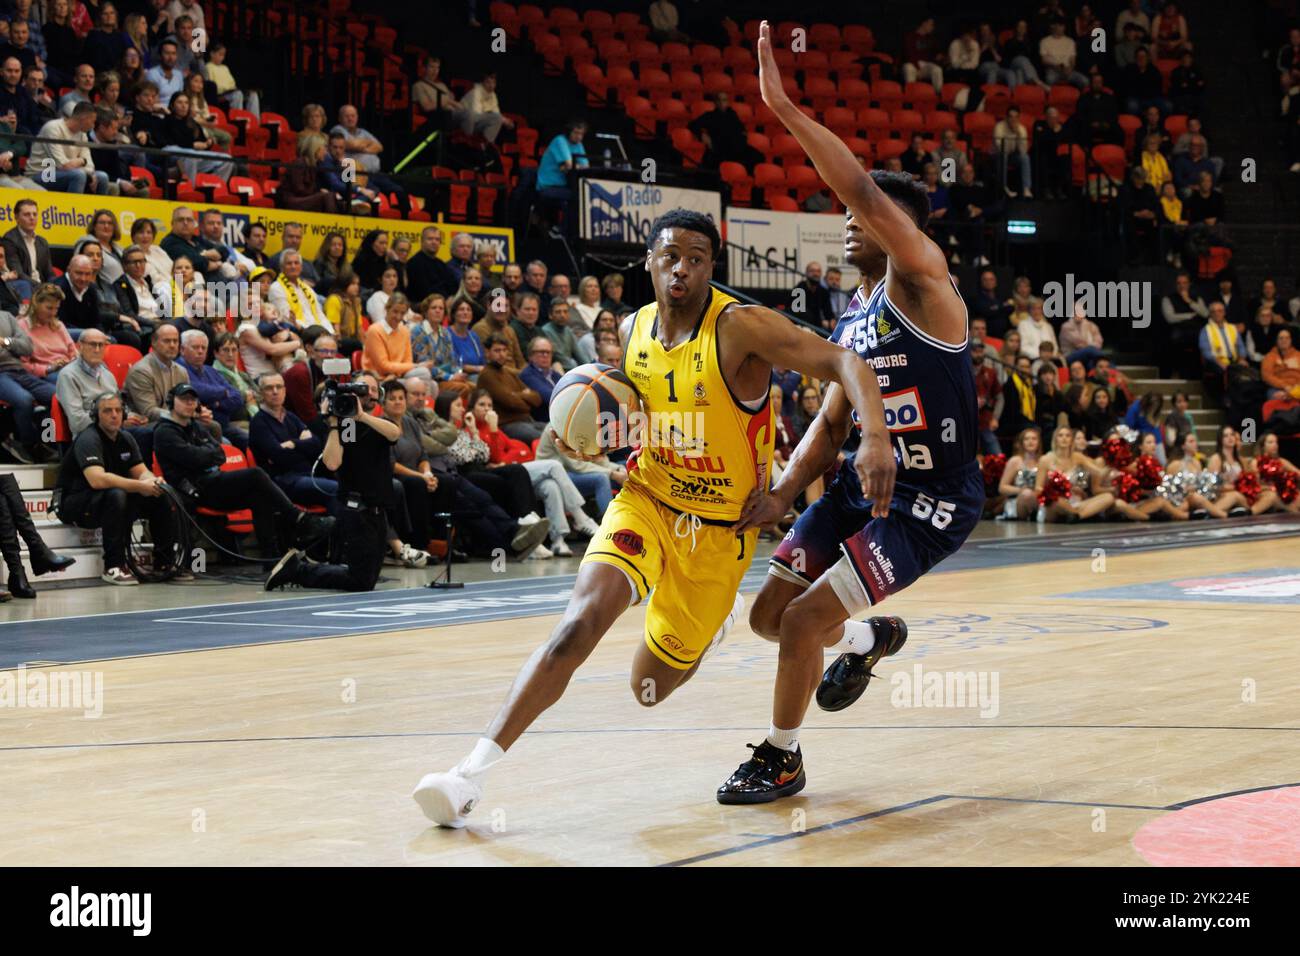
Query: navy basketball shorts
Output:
(867,559)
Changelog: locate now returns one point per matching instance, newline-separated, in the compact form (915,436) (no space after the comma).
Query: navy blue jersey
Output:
(927,386)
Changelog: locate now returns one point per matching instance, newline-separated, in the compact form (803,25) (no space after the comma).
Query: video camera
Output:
(342,395)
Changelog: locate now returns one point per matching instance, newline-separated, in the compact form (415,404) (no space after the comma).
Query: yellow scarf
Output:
(1028,401)
(302,315)
(1225,353)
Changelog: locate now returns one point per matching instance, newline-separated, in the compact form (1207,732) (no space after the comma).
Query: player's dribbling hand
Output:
(876,469)
(769,74)
(760,509)
(568,452)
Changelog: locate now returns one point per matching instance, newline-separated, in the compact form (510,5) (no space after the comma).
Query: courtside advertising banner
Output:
(614,211)
(768,247)
(65,217)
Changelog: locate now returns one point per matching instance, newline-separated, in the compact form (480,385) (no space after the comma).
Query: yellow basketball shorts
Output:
(693,571)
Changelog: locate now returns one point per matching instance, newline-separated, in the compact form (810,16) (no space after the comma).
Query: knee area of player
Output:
(649,691)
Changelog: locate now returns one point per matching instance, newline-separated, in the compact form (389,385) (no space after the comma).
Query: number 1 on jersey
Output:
(672,388)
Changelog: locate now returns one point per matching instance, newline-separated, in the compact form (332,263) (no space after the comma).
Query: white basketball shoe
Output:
(447,798)
(737,611)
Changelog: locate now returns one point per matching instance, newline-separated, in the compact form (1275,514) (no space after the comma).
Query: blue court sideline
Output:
(324,615)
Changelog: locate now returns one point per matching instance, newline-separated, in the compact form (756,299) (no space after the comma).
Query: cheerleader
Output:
(1080,471)
(1134,485)
(1227,462)
(1185,476)
(1278,471)
(1020,477)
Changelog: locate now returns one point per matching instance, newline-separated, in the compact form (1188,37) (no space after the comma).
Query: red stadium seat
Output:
(622,80)
(888,95)
(845,65)
(950,93)
(140,172)
(787,149)
(889,149)
(824,36)
(62,432)
(740,60)
(1063,97)
(119,359)
(814,64)
(979,128)
(706,56)
(655,83)
(907,122)
(745,86)
(1112,160)
(920,96)
(487,202)
(821,91)
(856,94)
(684,142)
(860,148)
(858,38)
(803,180)
(762,143)
(688,85)
(1176,125)
(249,192)
(939,120)
(841,121)
(738,178)
(592,79)
(769,176)
(1130,124)
(716,81)
(1030,98)
(782,203)
(459,208)
(678,56)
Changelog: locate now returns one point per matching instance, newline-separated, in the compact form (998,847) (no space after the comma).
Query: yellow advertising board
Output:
(65,217)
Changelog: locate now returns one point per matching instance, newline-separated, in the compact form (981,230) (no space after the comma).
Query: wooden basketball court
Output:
(1101,717)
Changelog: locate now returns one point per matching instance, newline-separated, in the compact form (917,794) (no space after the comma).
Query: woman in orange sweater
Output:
(388,344)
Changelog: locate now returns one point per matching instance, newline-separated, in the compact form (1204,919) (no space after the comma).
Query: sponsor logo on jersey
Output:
(699,362)
(628,541)
(903,411)
(669,458)
(699,391)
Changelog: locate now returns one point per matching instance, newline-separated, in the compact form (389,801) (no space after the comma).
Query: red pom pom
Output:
(1148,472)
(1116,452)
(992,469)
(1270,469)
(1056,486)
(1248,485)
(1127,487)
(1288,487)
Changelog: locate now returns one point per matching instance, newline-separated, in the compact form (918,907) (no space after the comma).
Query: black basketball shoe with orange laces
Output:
(770,774)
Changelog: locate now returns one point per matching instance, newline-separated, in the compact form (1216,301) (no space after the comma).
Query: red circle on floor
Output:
(1248,829)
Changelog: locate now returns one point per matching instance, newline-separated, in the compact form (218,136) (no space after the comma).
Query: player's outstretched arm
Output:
(910,251)
(775,340)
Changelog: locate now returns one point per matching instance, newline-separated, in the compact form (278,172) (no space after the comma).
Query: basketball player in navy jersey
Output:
(847,552)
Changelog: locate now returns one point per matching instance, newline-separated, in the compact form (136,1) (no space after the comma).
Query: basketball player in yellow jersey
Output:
(694,350)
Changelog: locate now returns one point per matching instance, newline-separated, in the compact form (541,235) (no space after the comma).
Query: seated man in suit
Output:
(28,253)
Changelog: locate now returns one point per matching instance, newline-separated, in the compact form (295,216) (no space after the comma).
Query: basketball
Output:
(590,407)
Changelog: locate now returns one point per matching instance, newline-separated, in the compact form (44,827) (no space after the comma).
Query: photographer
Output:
(103,483)
(359,449)
(191,461)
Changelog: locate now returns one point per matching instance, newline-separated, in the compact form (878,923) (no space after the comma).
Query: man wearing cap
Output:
(191,460)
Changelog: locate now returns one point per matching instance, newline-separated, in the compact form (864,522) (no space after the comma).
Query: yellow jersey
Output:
(700,449)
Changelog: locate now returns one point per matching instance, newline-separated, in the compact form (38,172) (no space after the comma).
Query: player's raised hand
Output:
(769,74)
(876,469)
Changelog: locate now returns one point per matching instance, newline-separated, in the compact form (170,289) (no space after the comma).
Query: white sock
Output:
(859,637)
(481,758)
(785,739)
